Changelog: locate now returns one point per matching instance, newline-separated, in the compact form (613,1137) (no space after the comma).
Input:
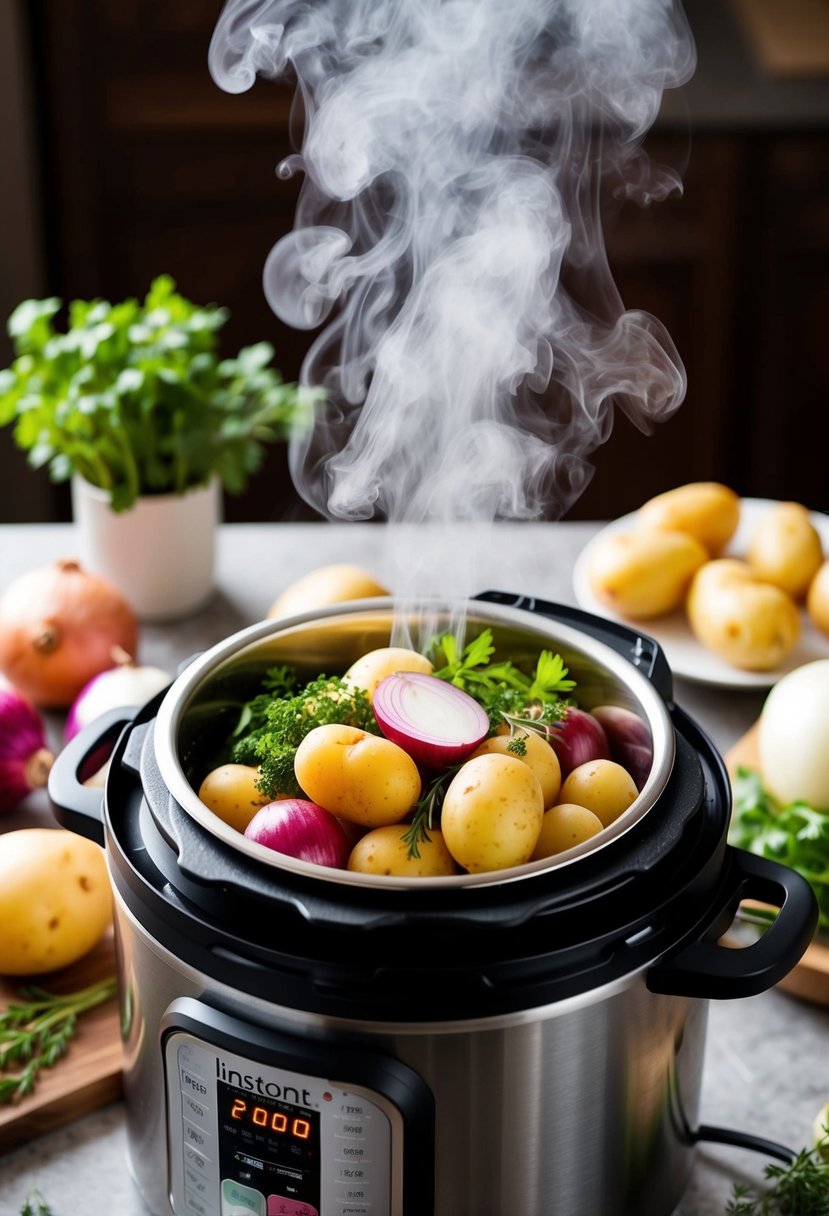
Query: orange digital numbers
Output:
(301,1129)
(259,1116)
(279,1122)
(238,1109)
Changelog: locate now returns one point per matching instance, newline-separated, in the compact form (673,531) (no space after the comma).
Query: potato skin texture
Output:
(817,599)
(564,826)
(333,584)
(55,899)
(750,624)
(384,851)
(357,776)
(706,510)
(603,786)
(492,813)
(644,573)
(371,668)
(231,793)
(539,756)
(786,549)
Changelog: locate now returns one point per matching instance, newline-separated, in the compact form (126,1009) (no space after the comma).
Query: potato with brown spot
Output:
(786,549)
(357,776)
(749,623)
(55,899)
(644,574)
(386,851)
(492,813)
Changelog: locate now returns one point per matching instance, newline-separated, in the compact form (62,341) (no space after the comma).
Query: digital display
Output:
(269,1145)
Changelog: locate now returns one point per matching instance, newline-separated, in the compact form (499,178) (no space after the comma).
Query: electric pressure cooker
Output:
(528,1042)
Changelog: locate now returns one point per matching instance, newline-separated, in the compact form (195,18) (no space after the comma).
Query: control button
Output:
(196,1182)
(352,1152)
(197,1205)
(351,1173)
(240,1200)
(195,1137)
(192,1083)
(279,1205)
(196,1111)
(199,1161)
(350,1209)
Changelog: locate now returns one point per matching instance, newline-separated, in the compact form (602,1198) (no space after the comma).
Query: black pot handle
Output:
(77,806)
(704,968)
(642,651)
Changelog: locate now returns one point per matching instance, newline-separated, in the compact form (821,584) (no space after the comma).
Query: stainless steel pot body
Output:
(581,1108)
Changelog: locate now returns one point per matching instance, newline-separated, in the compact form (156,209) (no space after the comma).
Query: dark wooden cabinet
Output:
(148,167)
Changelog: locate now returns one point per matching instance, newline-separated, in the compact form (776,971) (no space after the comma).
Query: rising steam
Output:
(448,232)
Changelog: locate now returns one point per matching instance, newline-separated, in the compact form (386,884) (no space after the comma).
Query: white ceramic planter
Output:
(160,553)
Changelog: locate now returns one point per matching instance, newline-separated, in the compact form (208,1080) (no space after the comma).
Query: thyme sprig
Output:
(35,1205)
(35,1033)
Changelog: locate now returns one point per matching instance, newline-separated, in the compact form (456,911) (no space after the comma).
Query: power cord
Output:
(756,1144)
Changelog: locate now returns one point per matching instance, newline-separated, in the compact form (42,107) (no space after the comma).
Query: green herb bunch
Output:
(272,726)
(134,398)
(800,1188)
(796,834)
(36,1031)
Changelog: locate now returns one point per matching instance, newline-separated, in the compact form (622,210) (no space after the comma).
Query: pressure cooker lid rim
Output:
(177,701)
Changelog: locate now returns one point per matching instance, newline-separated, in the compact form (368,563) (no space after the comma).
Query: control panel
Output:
(269,1133)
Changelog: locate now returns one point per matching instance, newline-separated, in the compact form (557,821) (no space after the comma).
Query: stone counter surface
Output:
(767,1058)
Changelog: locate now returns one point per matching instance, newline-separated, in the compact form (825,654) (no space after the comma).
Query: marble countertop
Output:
(767,1058)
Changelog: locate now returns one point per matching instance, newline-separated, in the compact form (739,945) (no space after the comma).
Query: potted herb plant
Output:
(134,404)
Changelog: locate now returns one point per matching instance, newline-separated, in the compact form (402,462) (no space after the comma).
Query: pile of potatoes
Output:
(746,609)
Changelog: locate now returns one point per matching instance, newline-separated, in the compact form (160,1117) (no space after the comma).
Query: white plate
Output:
(684,653)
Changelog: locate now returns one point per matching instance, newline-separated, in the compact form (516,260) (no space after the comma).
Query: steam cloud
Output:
(448,231)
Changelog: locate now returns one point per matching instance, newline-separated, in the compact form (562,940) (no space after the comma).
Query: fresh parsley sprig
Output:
(796,834)
(503,690)
(35,1033)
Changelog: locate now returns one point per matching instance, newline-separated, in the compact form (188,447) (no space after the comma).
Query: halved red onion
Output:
(432,720)
(579,737)
(631,743)
(300,829)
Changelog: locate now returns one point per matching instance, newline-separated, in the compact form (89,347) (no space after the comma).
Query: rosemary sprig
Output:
(426,809)
(35,1033)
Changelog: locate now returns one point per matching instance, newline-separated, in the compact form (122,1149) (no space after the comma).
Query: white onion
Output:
(433,721)
(122,685)
(793,738)
(300,829)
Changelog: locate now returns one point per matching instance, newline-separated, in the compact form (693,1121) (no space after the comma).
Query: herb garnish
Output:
(796,834)
(272,727)
(800,1189)
(35,1205)
(35,1032)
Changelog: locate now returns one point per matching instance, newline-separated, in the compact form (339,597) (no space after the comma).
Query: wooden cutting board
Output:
(89,1075)
(810,978)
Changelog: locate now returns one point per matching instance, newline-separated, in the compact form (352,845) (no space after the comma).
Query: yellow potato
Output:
(492,813)
(645,573)
(706,510)
(603,786)
(55,899)
(327,585)
(371,668)
(750,624)
(565,826)
(817,599)
(231,793)
(384,851)
(357,776)
(538,755)
(786,549)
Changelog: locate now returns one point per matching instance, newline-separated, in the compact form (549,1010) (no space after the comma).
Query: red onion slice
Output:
(433,721)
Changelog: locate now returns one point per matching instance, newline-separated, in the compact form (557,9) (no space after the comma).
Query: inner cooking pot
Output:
(197,716)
